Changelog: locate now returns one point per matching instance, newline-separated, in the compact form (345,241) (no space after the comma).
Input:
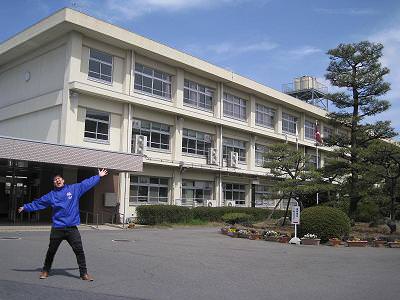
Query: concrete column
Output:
(132,72)
(176,192)
(123,196)
(251,153)
(71,73)
(180,81)
(127,79)
(252,112)
(218,143)
(218,101)
(176,140)
(126,129)
(218,193)
(278,123)
(301,123)
(248,195)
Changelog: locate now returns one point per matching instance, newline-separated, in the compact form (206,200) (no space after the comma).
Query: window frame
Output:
(197,141)
(231,100)
(101,62)
(263,189)
(291,120)
(234,188)
(165,95)
(197,186)
(141,184)
(150,132)
(264,112)
(189,89)
(257,153)
(96,133)
(235,147)
(309,130)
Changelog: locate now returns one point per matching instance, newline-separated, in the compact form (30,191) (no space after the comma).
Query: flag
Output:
(318,137)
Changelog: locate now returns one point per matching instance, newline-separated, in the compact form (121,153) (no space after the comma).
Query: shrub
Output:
(368,211)
(325,222)
(214,214)
(159,214)
(237,218)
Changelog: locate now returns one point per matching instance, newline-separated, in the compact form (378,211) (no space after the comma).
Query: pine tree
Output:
(356,68)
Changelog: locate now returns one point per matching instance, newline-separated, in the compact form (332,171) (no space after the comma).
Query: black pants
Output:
(73,237)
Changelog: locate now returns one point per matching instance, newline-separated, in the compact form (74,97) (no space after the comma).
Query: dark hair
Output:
(57,175)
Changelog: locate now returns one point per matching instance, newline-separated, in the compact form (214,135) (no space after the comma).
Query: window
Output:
(309,130)
(146,189)
(289,124)
(197,95)
(265,116)
(152,81)
(312,162)
(97,124)
(235,192)
(100,65)
(261,194)
(157,134)
(197,191)
(328,132)
(230,145)
(260,152)
(234,107)
(195,142)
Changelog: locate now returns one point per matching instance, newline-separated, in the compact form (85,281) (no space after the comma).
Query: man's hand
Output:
(102,172)
(20,209)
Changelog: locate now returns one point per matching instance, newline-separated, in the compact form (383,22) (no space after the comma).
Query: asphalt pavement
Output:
(194,263)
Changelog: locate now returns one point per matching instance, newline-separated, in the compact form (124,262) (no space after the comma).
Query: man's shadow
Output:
(62,272)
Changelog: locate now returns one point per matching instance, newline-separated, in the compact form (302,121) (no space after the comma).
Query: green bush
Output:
(368,211)
(325,222)
(159,214)
(214,214)
(237,218)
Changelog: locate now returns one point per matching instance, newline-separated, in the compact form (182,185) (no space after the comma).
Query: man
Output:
(64,200)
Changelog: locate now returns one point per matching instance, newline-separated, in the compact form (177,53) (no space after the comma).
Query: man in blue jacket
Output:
(64,201)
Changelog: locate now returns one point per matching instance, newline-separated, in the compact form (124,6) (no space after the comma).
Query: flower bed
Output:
(335,242)
(394,244)
(355,243)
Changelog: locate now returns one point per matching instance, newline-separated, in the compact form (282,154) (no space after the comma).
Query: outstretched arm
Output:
(88,183)
(41,203)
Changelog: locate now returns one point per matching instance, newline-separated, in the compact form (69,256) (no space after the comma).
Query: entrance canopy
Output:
(20,149)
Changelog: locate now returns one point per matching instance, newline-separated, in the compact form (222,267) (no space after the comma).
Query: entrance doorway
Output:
(20,183)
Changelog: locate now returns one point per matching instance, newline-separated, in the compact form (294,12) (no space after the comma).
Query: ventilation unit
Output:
(230,203)
(233,159)
(212,156)
(140,144)
(211,203)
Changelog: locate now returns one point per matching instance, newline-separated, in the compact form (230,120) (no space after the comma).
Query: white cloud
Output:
(241,47)
(113,10)
(304,51)
(346,11)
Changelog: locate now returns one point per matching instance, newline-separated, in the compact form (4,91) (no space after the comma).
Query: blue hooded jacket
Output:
(64,202)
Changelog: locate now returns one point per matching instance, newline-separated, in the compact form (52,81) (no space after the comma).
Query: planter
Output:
(394,244)
(271,238)
(283,239)
(313,242)
(357,243)
(334,242)
(255,236)
(378,243)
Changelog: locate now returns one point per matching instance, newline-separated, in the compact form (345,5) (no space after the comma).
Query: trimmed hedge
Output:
(237,218)
(158,214)
(326,222)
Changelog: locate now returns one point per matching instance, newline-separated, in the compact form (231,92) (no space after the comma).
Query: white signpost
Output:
(295,221)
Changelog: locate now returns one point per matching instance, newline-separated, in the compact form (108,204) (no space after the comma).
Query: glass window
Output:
(197,191)
(195,142)
(152,81)
(265,116)
(146,189)
(235,192)
(97,125)
(100,65)
(312,162)
(289,124)
(158,135)
(198,95)
(260,152)
(309,130)
(261,196)
(234,107)
(238,146)
(328,132)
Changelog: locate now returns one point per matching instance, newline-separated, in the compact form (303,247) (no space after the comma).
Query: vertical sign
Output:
(296,214)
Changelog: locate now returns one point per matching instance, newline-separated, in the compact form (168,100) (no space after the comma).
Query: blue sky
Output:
(269,41)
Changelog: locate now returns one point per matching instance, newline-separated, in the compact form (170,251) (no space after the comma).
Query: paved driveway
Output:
(195,263)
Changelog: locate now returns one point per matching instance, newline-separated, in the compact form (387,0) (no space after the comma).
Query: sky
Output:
(269,41)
